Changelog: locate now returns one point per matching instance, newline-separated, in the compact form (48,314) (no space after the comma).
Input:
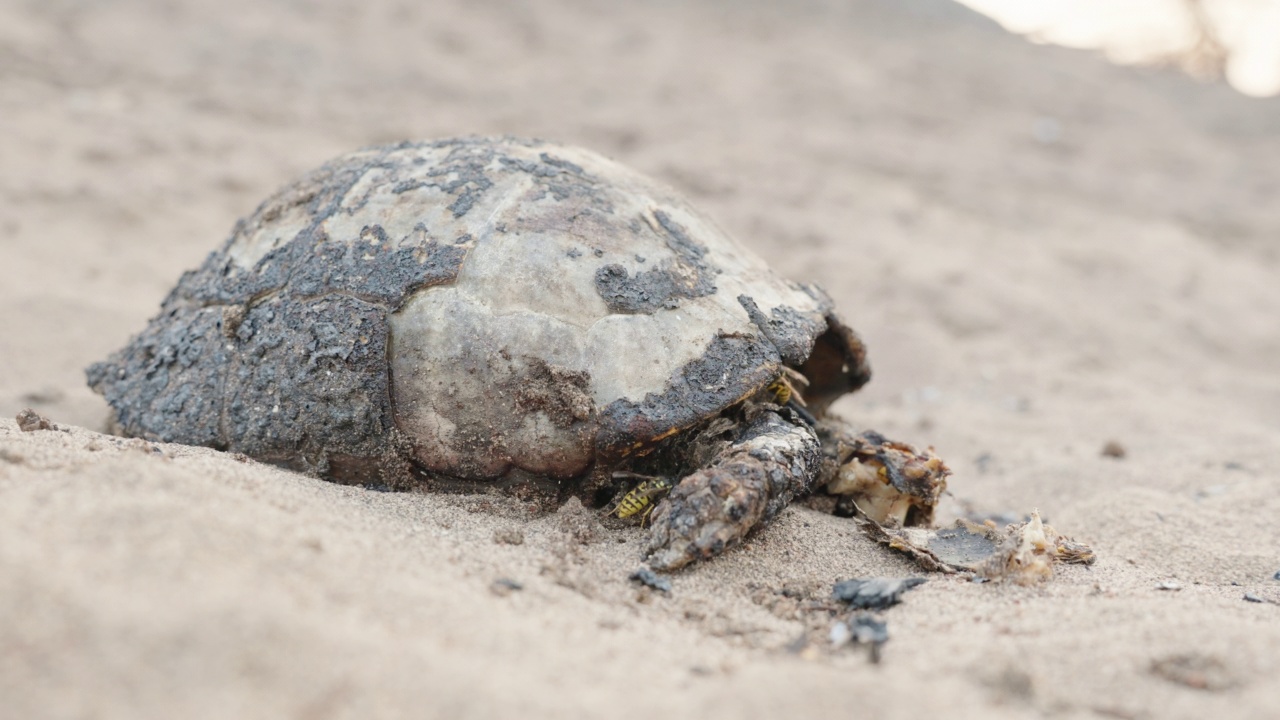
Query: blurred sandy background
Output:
(1045,253)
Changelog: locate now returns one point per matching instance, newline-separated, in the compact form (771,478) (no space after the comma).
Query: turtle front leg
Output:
(746,481)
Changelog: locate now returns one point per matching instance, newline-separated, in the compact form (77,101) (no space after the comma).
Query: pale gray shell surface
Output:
(468,310)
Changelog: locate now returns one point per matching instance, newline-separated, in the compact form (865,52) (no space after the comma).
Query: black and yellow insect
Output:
(788,386)
(783,391)
(643,498)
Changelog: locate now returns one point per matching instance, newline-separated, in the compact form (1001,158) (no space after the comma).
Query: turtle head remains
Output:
(891,483)
(481,312)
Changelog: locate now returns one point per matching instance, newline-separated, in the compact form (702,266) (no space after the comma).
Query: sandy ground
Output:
(1043,252)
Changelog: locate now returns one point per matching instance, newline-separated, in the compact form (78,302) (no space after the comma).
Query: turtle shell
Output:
(467,309)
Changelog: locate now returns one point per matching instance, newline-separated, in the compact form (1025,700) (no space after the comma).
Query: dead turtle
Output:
(497,312)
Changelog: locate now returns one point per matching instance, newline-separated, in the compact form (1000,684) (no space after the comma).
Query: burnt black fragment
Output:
(862,629)
(505,586)
(867,630)
(645,576)
(874,593)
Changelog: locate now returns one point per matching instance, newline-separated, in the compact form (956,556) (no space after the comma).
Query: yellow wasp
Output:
(642,498)
(784,387)
(785,391)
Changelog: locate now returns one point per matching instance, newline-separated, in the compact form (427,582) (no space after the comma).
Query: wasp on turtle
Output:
(643,498)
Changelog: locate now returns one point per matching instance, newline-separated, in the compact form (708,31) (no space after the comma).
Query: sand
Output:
(1043,252)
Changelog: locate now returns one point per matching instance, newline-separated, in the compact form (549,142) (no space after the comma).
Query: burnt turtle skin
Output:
(481,312)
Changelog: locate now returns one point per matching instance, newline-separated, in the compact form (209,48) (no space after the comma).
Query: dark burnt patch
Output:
(166,385)
(309,379)
(678,238)
(564,181)
(372,269)
(791,331)
(687,275)
(539,169)
(219,282)
(731,367)
(318,195)
(556,162)
(463,174)
(644,292)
